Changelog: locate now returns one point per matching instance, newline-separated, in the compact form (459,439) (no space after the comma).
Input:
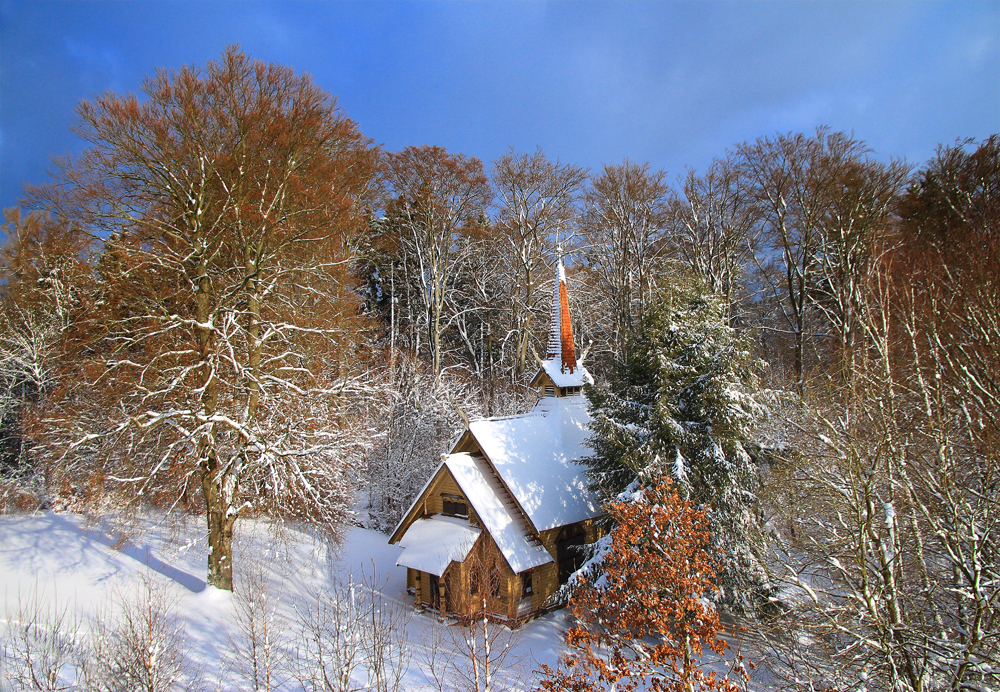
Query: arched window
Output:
(495,581)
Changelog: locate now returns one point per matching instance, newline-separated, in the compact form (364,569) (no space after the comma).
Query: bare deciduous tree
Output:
(352,638)
(228,197)
(715,228)
(479,652)
(793,180)
(40,644)
(625,211)
(437,199)
(889,562)
(43,276)
(140,647)
(259,653)
(536,206)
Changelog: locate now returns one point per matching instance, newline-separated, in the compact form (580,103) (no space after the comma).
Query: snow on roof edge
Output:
(416,499)
(430,545)
(504,528)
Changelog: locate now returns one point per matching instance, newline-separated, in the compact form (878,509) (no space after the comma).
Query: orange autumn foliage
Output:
(643,618)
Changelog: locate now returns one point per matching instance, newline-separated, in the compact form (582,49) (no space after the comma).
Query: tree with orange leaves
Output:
(226,201)
(643,616)
(43,278)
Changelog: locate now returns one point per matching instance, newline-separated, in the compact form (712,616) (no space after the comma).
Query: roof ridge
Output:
(513,416)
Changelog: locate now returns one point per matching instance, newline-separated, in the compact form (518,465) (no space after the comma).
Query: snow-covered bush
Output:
(141,648)
(420,427)
(38,645)
(257,646)
(350,634)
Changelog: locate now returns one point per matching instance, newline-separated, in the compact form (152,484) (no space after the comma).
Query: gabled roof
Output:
(485,494)
(503,523)
(563,379)
(534,454)
(431,544)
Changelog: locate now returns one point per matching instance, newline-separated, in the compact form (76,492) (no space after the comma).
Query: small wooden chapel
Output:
(498,526)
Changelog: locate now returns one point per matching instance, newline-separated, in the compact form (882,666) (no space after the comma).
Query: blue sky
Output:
(671,83)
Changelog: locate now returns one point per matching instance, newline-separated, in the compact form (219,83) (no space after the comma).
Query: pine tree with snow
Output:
(684,400)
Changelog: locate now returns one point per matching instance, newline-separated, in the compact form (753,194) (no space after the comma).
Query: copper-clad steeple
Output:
(561,348)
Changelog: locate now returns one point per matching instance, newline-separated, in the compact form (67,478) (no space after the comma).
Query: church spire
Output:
(561,348)
(560,374)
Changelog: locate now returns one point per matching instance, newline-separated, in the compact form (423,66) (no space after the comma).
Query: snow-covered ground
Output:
(64,559)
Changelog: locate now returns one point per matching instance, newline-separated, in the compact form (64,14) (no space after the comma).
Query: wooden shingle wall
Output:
(444,484)
(545,581)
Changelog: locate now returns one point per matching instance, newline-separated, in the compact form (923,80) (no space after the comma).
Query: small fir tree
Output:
(643,617)
(684,401)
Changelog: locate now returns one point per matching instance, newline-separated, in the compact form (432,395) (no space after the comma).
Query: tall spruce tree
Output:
(685,401)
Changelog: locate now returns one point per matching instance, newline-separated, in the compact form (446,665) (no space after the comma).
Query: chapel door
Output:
(435,593)
(569,552)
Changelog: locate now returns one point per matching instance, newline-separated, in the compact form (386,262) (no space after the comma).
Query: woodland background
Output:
(233,303)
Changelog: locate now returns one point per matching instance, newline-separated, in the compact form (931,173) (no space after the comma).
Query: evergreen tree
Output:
(685,401)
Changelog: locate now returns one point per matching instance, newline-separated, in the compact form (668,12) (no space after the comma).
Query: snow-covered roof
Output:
(534,454)
(577,378)
(485,494)
(431,544)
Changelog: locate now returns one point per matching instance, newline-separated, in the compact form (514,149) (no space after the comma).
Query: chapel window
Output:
(495,580)
(454,506)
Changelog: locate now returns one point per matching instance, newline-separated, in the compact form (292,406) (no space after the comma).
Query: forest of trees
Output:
(234,303)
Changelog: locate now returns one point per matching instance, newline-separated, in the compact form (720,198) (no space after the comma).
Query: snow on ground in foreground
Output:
(65,559)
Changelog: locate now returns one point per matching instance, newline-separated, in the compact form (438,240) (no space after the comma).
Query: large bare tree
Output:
(438,200)
(889,563)
(536,206)
(794,180)
(715,229)
(226,198)
(625,211)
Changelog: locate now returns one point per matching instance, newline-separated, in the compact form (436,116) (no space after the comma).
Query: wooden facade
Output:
(485,575)
(501,524)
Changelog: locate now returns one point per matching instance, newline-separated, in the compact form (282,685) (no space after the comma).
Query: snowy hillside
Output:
(89,570)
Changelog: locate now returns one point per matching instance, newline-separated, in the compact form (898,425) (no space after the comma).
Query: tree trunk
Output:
(218,511)
(523,316)
(217,500)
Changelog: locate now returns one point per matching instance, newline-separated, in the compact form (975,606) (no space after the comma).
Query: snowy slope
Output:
(67,560)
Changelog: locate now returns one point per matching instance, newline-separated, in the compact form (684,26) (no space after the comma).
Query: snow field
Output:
(66,561)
